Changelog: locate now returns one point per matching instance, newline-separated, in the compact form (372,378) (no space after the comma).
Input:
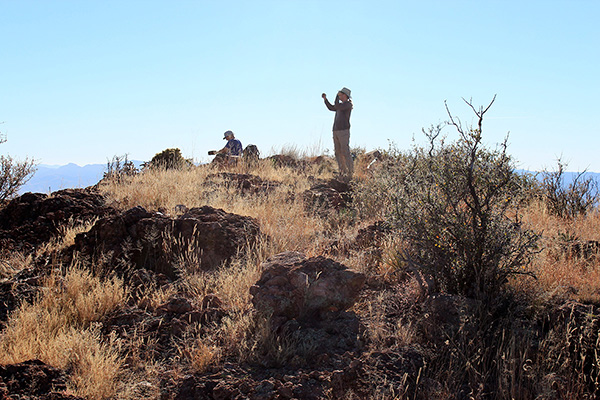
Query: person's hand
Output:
(324,96)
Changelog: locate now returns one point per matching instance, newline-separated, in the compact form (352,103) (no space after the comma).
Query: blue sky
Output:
(82,81)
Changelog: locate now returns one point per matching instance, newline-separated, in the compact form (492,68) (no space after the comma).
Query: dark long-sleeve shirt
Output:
(342,113)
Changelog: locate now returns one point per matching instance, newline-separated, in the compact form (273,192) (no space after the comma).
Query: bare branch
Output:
(489,105)
(481,111)
(452,122)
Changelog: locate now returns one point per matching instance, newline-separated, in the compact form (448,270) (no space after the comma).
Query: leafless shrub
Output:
(569,201)
(451,203)
(13,174)
(119,168)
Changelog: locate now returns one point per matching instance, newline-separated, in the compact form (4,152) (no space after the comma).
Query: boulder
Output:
(35,218)
(33,380)
(22,287)
(327,195)
(143,239)
(294,287)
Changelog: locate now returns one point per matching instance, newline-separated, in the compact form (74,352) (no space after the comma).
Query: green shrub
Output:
(169,159)
(456,208)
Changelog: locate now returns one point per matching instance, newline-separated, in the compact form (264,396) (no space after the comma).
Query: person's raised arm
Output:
(330,106)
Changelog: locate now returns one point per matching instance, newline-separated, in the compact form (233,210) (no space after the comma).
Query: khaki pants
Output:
(341,142)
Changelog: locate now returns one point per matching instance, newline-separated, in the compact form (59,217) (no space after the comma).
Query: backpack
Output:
(251,154)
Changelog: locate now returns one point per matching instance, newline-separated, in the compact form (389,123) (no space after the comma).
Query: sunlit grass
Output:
(62,326)
(59,329)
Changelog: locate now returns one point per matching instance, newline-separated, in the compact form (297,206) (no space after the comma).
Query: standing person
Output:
(341,131)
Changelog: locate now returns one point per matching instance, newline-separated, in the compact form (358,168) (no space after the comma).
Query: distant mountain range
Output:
(50,178)
(568,177)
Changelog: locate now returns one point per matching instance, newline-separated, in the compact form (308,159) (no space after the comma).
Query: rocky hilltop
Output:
(268,283)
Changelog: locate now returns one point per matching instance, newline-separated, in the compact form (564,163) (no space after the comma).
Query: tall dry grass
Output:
(59,329)
(559,269)
(12,263)
(237,335)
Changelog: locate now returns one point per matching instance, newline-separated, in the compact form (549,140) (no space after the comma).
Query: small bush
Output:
(13,174)
(568,201)
(119,168)
(169,159)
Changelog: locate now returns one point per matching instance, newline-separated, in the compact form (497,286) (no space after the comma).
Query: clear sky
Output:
(82,81)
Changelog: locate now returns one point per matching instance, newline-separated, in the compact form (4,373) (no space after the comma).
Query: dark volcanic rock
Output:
(328,195)
(154,241)
(294,287)
(33,380)
(35,218)
(13,292)
(160,326)
(371,236)
(306,302)
(254,384)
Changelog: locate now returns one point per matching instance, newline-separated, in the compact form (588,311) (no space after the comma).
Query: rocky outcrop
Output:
(164,323)
(22,287)
(33,380)
(239,383)
(35,218)
(293,287)
(327,195)
(205,236)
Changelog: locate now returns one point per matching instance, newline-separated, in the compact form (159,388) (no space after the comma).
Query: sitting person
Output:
(228,154)
(233,146)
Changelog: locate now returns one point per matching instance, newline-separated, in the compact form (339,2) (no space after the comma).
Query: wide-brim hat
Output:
(227,133)
(346,91)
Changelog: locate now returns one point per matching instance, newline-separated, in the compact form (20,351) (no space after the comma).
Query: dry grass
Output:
(203,355)
(280,217)
(60,326)
(13,263)
(231,284)
(59,329)
(556,268)
(382,331)
(154,189)
(236,335)
(292,150)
